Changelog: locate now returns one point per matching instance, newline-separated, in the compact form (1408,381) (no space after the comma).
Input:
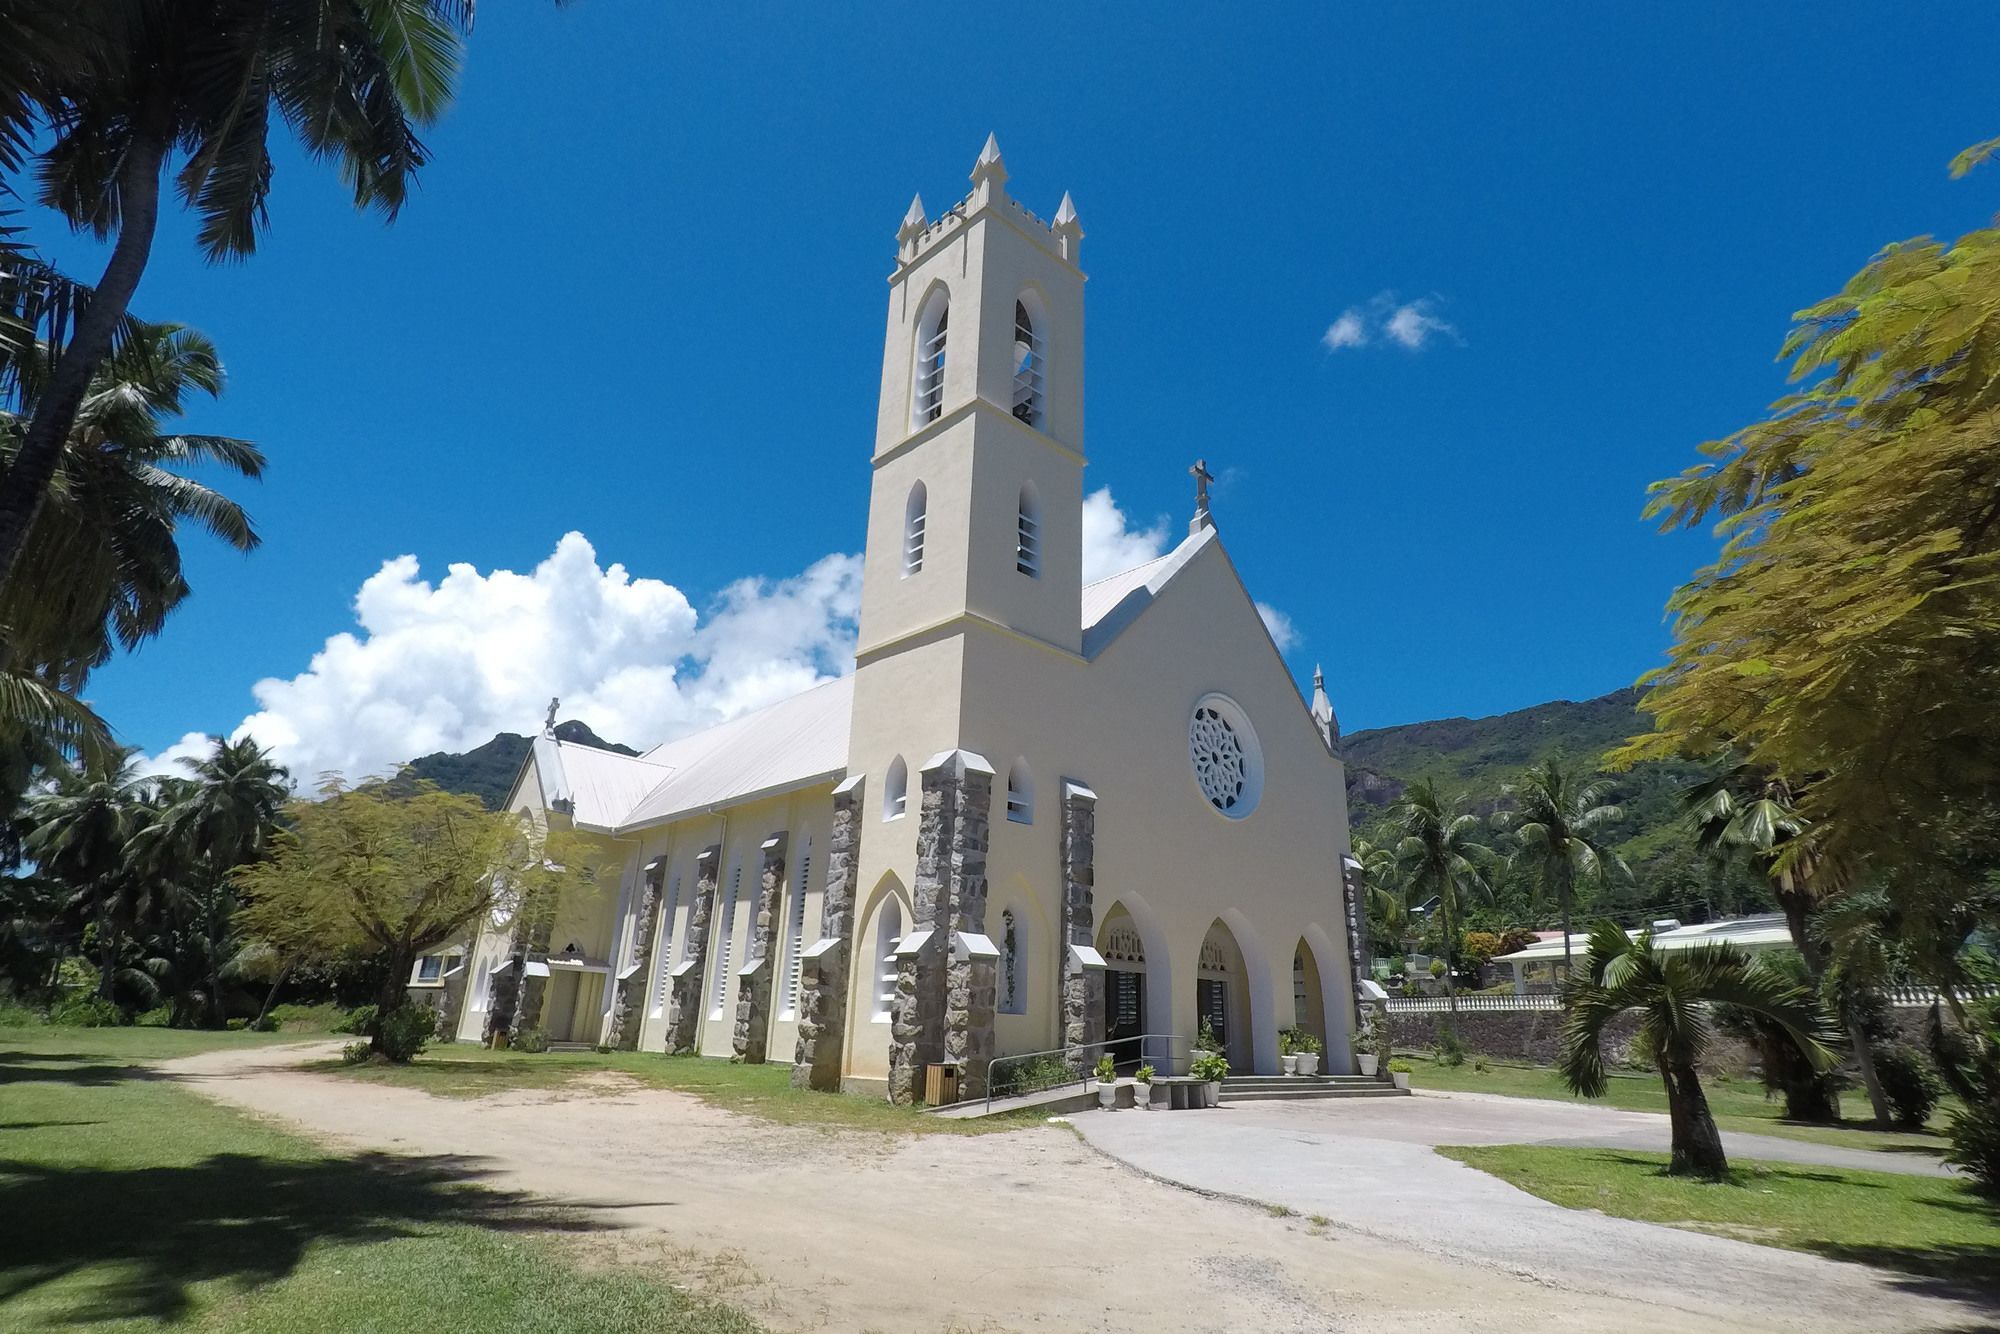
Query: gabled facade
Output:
(1039,816)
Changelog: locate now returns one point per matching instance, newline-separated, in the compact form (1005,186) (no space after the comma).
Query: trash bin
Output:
(941,1085)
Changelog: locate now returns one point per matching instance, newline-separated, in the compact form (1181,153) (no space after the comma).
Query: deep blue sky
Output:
(641,294)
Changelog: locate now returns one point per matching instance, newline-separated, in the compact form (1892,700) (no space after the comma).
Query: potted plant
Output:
(1399,1071)
(1142,1091)
(1211,1068)
(1107,1082)
(1366,1038)
(1288,1050)
(1308,1049)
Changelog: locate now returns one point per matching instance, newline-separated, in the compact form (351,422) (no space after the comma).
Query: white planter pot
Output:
(1142,1097)
(1211,1093)
(1368,1062)
(1401,1077)
(1291,1064)
(1308,1062)
(1107,1096)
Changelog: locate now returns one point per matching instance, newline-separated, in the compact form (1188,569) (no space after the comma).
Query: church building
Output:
(1039,816)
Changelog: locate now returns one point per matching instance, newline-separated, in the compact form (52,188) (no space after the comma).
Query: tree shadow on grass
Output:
(153,1233)
(68,1067)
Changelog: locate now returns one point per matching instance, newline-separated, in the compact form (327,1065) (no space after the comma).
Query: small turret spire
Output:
(1322,713)
(912,230)
(1069,232)
(989,175)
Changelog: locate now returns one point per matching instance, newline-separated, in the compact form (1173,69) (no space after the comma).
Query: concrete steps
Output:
(1302,1088)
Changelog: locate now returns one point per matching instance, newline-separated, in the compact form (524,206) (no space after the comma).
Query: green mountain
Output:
(488,771)
(1476,757)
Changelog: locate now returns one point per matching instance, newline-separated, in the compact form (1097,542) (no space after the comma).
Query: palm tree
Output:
(1670,989)
(1753,814)
(209,825)
(81,828)
(102,565)
(199,83)
(1558,824)
(1440,857)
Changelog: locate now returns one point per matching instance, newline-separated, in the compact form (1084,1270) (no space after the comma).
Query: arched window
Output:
(795,930)
(896,790)
(913,530)
(1027,367)
(1013,964)
(888,931)
(1020,794)
(1028,535)
(927,395)
(724,922)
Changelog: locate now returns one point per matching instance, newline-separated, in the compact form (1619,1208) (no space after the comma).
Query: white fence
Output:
(1905,997)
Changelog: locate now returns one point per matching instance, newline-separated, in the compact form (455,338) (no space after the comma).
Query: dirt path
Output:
(812,1229)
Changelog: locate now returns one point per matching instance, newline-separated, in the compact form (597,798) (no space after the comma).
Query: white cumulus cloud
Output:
(1407,324)
(1283,633)
(1111,542)
(444,666)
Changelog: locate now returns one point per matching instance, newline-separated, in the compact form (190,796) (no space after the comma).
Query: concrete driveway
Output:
(1367,1166)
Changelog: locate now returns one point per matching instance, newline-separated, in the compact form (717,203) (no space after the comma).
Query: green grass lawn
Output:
(1934,1226)
(462,1070)
(127,1202)
(1738,1105)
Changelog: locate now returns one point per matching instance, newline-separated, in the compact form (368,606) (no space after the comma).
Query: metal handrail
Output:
(1085,1077)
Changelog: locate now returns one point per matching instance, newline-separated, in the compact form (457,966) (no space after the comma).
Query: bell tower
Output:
(976,509)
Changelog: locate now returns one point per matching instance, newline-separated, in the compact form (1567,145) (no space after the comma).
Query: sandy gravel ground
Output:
(811,1229)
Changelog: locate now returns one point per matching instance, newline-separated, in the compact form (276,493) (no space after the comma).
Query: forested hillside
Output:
(488,771)
(1477,757)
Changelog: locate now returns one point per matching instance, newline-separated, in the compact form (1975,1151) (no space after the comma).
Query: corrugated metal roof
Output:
(1762,932)
(786,745)
(1111,604)
(603,785)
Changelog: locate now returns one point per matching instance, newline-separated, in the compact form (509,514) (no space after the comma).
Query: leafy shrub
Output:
(1205,1039)
(1400,1067)
(1975,1145)
(405,1031)
(1106,1069)
(1437,968)
(88,1012)
(1479,947)
(531,1040)
(360,1019)
(1909,1081)
(160,1016)
(1041,1073)
(13,1014)
(1398,966)
(1481,1064)
(1210,1066)
(354,1053)
(325,1017)
(1144,1074)
(1449,1049)
(1298,1042)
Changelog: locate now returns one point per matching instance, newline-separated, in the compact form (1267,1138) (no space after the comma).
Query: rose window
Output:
(1218,758)
(1228,765)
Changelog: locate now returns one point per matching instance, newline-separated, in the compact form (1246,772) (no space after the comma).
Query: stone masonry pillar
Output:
(684,1016)
(631,994)
(753,992)
(972,963)
(916,1021)
(1082,971)
(823,971)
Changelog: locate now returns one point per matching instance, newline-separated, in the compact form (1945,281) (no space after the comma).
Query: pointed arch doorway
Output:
(1124,951)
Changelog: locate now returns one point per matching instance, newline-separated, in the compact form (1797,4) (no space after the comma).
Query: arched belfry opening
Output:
(1030,362)
(927,389)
